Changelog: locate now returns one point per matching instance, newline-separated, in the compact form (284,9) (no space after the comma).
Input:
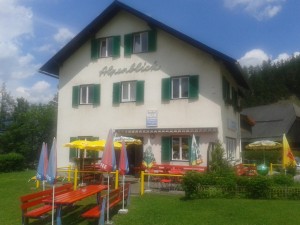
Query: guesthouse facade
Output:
(131,73)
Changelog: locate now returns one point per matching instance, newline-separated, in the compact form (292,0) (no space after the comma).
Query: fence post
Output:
(69,173)
(117,179)
(75,178)
(142,182)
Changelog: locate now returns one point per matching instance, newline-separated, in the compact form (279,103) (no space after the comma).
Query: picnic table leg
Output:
(58,215)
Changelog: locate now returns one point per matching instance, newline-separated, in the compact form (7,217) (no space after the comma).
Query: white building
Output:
(140,77)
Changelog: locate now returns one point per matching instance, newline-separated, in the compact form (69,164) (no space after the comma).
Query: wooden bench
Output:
(32,205)
(115,197)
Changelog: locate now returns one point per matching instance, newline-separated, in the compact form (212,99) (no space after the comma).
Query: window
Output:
(86,94)
(180,148)
(230,148)
(105,47)
(140,42)
(180,87)
(128,91)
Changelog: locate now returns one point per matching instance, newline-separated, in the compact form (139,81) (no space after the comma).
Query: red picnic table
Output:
(74,196)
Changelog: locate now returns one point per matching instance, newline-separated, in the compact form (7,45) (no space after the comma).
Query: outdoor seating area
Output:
(38,205)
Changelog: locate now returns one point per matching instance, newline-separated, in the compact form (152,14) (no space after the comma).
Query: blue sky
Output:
(32,31)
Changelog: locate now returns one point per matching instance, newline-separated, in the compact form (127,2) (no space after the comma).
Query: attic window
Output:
(140,42)
(105,47)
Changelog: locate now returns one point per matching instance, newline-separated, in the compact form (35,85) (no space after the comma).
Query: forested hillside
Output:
(271,82)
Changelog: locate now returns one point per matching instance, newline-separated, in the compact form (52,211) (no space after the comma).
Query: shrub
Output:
(11,162)
(258,187)
(282,180)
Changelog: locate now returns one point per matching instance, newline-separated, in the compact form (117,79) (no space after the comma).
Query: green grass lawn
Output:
(155,209)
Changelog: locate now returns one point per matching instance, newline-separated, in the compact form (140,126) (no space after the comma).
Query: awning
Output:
(168,130)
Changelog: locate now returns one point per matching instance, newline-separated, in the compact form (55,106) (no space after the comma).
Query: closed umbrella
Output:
(123,169)
(43,165)
(108,163)
(51,175)
(148,160)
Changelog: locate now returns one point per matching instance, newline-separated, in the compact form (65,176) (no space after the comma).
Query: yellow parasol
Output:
(128,140)
(98,145)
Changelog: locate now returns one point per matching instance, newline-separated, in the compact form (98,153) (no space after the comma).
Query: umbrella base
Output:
(123,211)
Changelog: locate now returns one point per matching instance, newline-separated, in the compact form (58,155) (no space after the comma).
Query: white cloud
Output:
(260,9)
(39,92)
(254,57)
(63,35)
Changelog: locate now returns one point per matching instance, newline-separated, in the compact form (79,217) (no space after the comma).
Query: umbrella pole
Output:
(107,205)
(123,211)
(53,196)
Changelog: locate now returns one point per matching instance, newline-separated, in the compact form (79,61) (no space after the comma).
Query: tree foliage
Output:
(29,126)
(271,82)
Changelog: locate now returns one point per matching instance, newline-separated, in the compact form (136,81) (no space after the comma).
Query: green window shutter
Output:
(194,87)
(95,47)
(116,46)
(166,89)
(152,40)
(97,94)
(75,96)
(116,93)
(140,91)
(166,149)
(72,151)
(128,39)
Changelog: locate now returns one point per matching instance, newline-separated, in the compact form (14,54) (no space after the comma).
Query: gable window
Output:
(140,42)
(180,148)
(128,91)
(86,95)
(105,47)
(180,87)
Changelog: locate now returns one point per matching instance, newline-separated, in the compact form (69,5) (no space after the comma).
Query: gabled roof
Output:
(51,67)
(271,121)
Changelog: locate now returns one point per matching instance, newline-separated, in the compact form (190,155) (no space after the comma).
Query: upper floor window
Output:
(128,91)
(180,87)
(86,94)
(105,47)
(140,42)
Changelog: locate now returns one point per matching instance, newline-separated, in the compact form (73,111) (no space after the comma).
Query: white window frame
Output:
(182,88)
(140,42)
(128,91)
(180,152)
(106,47)
(86,94)
(230,148)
